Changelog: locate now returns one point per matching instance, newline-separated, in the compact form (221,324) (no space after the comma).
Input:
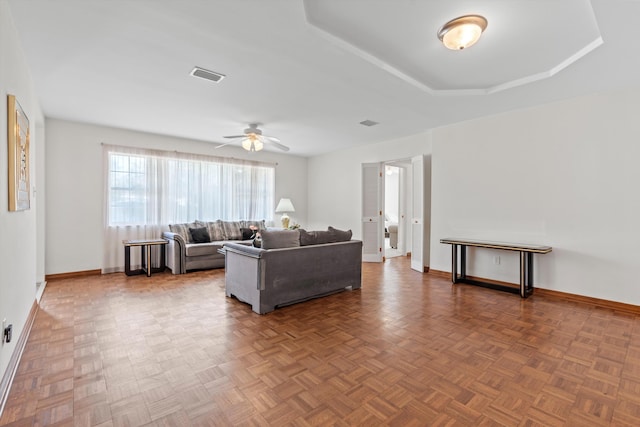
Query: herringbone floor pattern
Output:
(408,349)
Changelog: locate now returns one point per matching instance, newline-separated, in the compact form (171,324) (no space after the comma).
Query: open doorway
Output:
(396,204)
(392,191)
(414,195)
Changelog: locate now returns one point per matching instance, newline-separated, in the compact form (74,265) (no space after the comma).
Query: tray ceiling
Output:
(311,71)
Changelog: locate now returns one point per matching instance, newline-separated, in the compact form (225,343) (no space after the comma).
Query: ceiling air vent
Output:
(368,123)
(206,74)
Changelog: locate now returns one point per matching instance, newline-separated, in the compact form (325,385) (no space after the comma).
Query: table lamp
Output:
(285,206)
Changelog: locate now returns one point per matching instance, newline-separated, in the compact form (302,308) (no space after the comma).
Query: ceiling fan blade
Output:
(224,145)
(271,138)
(277,144)
(235,136)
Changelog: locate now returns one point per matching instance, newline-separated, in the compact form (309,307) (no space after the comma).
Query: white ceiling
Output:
(309,71)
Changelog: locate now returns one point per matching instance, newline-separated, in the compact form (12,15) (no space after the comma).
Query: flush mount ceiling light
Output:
(462,32)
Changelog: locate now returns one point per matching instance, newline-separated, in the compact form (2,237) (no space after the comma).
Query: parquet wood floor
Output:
(408,349)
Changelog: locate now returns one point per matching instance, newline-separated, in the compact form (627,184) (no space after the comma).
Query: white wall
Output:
(564,175)
(19,250)
(335,181)
(74,220)
(40,192)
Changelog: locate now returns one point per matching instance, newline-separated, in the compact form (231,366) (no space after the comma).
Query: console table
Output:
(145,248)
(526,263)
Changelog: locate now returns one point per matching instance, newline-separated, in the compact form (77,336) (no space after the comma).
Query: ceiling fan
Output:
(254,140)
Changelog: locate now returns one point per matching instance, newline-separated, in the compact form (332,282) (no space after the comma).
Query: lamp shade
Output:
(285,205)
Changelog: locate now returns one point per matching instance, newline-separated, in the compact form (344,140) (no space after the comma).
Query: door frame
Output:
(422,187)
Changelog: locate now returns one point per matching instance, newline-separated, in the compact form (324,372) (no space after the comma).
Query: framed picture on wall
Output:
(18,139)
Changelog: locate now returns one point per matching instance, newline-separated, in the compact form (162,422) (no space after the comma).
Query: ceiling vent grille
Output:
(368,123)
(206,74)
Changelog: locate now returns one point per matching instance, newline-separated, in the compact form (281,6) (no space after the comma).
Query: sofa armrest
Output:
(176,252)
(243,249)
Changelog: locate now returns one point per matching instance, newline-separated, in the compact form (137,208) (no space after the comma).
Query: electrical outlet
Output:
(8,332)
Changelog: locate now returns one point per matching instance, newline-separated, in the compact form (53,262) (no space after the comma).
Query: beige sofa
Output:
(279,276)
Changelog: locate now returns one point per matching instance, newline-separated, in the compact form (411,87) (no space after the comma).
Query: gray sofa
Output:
(183,253)
(270,278)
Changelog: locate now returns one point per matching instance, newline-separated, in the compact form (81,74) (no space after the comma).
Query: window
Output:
(128,191)
(147,187)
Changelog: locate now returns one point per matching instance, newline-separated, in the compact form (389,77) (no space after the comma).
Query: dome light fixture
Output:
(462,32)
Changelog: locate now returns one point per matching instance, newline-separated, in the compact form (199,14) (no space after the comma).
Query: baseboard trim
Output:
(602,303)
(12,367)
(72,274)
(552,294)
(40,287)
(440,273)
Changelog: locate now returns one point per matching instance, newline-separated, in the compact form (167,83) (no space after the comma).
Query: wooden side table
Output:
(145,248)
(526,263)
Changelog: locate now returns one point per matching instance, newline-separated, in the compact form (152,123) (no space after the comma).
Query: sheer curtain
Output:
(146,190)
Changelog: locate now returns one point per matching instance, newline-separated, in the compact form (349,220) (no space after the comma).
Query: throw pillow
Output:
(315,237)
(200,235)
(323,237)
(247,233)
(276,239)
(307,237)
(339,235)
(183,230)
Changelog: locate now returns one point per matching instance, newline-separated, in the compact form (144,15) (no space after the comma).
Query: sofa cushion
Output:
(276,239)
(232,230)
(315,237)
(306,237)
(339,235)
(202,249)
(199,235)
(183,230)
(216,233)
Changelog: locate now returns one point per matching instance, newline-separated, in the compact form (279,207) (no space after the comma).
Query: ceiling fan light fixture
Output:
(252,143)
(253,140)
(462,32)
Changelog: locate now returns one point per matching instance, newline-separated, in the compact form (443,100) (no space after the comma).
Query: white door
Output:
(417,214)
(372,224)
